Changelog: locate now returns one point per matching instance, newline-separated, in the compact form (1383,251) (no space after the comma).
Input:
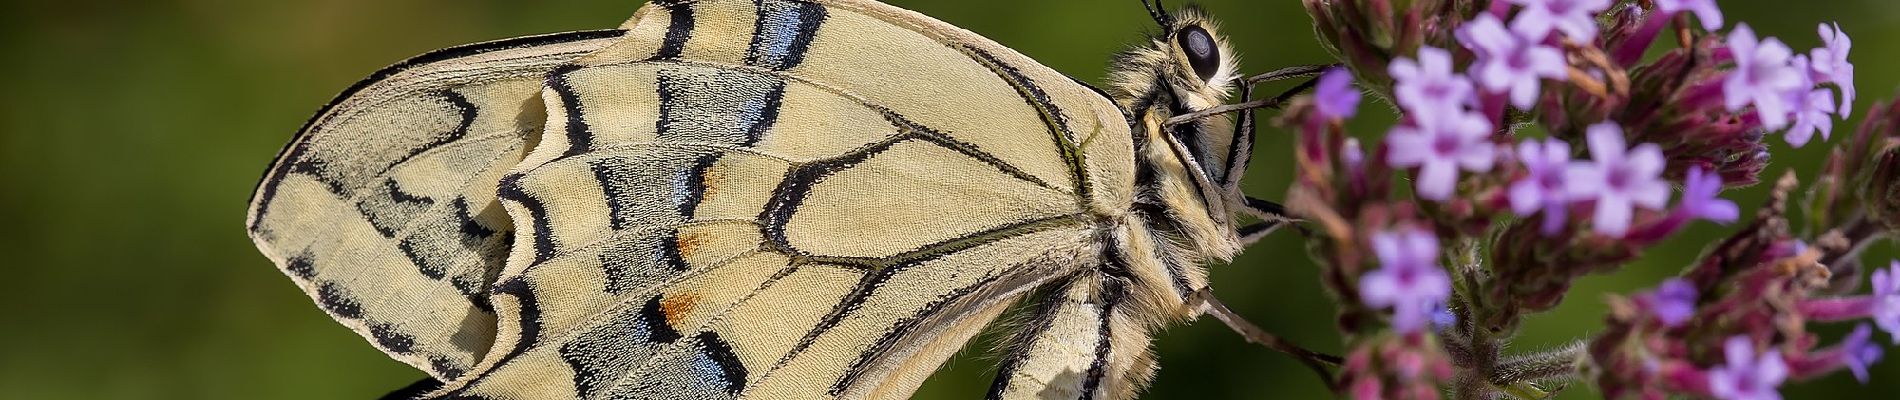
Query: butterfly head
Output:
(1200,64)
(1188,167)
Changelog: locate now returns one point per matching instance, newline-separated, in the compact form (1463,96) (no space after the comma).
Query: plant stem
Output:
(1859,233)
(1561,363)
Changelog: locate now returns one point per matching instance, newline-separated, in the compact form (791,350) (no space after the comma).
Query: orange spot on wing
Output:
(711,180)
(689,243)
(677,306)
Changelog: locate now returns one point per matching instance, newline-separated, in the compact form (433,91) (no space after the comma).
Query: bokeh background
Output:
(132,132)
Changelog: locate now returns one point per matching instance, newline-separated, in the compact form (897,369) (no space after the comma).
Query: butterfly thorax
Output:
(1180,168)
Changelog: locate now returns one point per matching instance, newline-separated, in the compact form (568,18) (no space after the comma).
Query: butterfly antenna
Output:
(1159,13)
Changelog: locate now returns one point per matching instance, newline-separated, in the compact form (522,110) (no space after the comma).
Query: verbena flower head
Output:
(1335,97)
(1543,189)
(1575,18)
(1831,66)
(1439,147)
(1511,62)
(1762,77)
(1704,10)
(1429,86)
(1700,190)
(1618,179)
(1746,375)
(1409,280)
(1886,299)
(1700,103)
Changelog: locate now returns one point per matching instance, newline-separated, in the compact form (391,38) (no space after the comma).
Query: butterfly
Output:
(767,199)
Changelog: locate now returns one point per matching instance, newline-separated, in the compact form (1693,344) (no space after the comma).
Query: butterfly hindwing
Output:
(384,210)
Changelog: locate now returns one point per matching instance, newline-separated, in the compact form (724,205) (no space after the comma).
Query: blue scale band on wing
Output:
(784,33)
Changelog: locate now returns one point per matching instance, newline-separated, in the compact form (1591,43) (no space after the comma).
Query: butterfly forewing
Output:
(781,199)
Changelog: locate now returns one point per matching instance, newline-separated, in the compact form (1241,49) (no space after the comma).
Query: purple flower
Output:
(1830,64)
(1335,97)
(1439,147)
(1544,188)
(1813,112)
(1762,77)
(1813,109)
(1410,280)
(1704,10)
(1509,63)
(1575,18)
(1618,178)
(1700,200)
(1858,352)
(1673,303)
(1746,376)
(1886,298)
(1429,87)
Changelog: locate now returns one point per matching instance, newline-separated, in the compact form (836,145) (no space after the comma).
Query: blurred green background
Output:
(131,134)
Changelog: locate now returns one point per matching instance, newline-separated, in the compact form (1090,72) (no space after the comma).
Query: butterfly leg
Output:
(1272,217)
(1080,343)
(1297,71)
(1241,151)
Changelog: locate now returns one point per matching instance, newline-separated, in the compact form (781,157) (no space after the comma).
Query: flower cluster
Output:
(1753,297)
(1544,140)
(1395,368)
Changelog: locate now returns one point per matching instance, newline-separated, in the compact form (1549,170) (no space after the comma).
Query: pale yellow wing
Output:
(788,199)
(383,208)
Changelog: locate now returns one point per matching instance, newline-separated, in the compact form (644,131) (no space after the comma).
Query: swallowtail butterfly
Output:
(765,199)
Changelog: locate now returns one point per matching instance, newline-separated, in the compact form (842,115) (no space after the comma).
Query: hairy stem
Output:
(1557,364)
(1473,381)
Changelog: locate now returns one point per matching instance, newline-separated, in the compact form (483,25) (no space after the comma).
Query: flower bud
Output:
(1883,187)
(1868,165)
(1366,34)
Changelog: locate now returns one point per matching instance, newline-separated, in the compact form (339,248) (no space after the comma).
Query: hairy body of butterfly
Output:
(771,199)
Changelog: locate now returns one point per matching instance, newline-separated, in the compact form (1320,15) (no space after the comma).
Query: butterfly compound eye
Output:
(1202,54)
